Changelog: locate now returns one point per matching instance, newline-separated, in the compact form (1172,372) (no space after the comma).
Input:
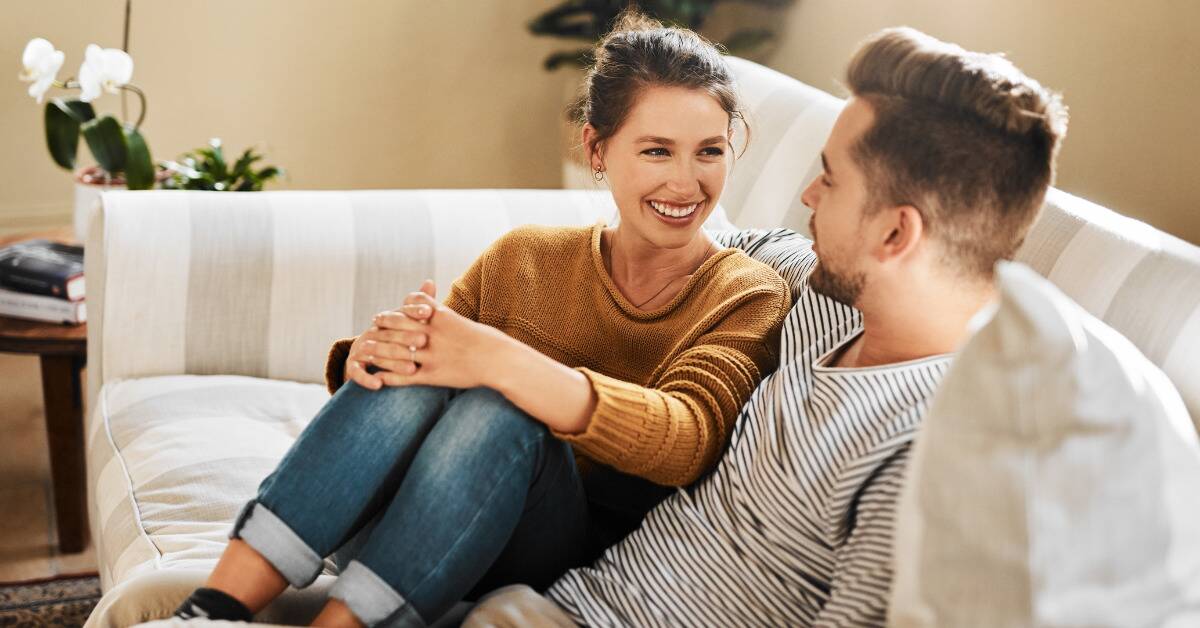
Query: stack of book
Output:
(43,281)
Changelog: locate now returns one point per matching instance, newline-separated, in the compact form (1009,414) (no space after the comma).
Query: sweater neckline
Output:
(629,308)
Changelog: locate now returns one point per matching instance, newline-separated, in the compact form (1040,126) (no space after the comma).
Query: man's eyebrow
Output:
(654,139)
(825,164)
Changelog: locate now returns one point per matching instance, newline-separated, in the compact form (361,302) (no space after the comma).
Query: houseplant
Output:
(206,169)
(589,20)
(118,147)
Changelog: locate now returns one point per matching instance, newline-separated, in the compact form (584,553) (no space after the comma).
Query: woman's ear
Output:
(591,148)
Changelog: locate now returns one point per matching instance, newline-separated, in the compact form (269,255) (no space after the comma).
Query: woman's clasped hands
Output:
(423,343)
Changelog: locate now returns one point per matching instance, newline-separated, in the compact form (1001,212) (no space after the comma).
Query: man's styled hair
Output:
(965,137)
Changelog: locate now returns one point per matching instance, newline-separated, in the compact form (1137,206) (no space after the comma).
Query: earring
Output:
(598,175)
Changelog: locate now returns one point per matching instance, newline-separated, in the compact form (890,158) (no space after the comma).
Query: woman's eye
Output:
(656,152)
(713,152)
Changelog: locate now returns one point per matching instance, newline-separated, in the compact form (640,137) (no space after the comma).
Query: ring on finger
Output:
(412,353)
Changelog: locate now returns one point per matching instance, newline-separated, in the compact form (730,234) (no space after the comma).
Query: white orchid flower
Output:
(42,63)
(103,68)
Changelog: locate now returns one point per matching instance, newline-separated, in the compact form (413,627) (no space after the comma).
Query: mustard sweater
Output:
(669,382)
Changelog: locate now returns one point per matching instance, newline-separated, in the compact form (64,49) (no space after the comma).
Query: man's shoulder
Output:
(787,253)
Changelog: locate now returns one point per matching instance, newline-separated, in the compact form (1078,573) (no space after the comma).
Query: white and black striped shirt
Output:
(794,526)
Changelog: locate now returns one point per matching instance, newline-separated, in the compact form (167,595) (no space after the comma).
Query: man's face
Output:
(838,198)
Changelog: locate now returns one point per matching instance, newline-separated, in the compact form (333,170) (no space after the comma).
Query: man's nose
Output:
(811,194)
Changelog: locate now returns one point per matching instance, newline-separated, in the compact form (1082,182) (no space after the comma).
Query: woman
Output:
(572,377)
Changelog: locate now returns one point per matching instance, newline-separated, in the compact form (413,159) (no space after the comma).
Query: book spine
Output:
(40,308)
(37,283)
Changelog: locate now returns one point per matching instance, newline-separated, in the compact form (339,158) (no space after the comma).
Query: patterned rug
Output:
(63,601)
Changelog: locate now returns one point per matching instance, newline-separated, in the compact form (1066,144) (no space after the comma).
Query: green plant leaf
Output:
(139,167)
(242,167)
(107,143)
(82,111)
(219,169)
(62,133)
(578,58)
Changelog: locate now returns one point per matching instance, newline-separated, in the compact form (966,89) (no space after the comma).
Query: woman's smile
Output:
(675,214)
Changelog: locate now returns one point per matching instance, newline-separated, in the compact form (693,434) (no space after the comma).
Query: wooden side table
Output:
(63,353)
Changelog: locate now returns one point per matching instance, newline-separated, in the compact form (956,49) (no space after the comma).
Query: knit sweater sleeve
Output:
(676,429)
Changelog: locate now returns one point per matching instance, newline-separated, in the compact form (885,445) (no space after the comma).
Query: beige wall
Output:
(401,93)
(1128,71)
(349,94)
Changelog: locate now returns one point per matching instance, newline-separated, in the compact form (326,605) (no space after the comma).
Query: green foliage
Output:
(206,169)
(589,20)
(117,148)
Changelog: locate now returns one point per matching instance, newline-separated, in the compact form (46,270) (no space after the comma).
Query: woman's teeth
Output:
(675,211)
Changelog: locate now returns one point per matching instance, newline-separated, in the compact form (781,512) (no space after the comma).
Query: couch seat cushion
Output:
(172,459)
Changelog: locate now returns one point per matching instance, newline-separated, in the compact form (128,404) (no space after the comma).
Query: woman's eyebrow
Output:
(654,139)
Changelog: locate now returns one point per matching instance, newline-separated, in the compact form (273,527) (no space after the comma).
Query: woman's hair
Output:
(965,137)
(640,52)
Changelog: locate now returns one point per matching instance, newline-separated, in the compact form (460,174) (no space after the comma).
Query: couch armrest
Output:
(260,284)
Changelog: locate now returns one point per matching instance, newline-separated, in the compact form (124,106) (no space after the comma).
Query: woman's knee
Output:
(384,412)
(484,416)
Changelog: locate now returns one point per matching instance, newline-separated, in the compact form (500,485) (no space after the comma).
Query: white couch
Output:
(211,314)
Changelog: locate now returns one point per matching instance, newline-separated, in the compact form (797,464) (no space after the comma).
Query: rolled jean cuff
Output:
(275,541)
(373,600)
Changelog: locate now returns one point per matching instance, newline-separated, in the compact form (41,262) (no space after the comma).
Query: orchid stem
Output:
(71,83)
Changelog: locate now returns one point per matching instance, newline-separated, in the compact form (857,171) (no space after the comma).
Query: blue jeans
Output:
(430,494)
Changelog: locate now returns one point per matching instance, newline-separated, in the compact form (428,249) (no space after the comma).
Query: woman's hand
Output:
(388,349)
(449,349)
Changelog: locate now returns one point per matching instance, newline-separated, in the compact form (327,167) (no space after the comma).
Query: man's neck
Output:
(919,326)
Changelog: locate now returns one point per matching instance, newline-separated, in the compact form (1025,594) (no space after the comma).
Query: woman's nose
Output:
(684,181)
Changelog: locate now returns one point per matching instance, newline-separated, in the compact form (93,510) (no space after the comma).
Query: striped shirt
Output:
(794,525)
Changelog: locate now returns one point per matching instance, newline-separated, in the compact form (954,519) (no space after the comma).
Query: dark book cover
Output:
(43,267)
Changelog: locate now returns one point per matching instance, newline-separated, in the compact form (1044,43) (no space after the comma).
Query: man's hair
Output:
(965,137)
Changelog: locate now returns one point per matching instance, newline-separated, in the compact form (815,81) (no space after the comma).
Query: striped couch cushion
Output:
(1140,281)
(173,459)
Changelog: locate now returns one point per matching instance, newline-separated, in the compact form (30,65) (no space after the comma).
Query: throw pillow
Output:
(1054,482)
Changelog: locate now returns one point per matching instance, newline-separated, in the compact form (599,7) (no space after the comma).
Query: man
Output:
(933,172)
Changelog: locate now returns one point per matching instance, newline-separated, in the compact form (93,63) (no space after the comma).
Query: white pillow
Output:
(1054,482)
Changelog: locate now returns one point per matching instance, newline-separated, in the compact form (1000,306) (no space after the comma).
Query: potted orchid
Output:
(119,149)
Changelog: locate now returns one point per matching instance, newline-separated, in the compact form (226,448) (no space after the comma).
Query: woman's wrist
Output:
(500,358)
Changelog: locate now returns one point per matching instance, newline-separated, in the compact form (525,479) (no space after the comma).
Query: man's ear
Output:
(901,229)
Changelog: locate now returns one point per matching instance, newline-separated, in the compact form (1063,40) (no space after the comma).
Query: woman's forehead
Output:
(675,113)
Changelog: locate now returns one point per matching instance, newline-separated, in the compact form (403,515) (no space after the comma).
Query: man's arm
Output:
(862,575)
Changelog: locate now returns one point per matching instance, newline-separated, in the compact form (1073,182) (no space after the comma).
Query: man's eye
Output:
(656,152)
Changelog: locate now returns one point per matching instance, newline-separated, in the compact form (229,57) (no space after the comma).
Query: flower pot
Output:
(89,183)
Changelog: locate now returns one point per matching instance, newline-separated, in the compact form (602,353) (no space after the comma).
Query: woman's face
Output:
(667,164)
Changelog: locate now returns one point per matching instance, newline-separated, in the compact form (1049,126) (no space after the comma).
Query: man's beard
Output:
(844,289)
